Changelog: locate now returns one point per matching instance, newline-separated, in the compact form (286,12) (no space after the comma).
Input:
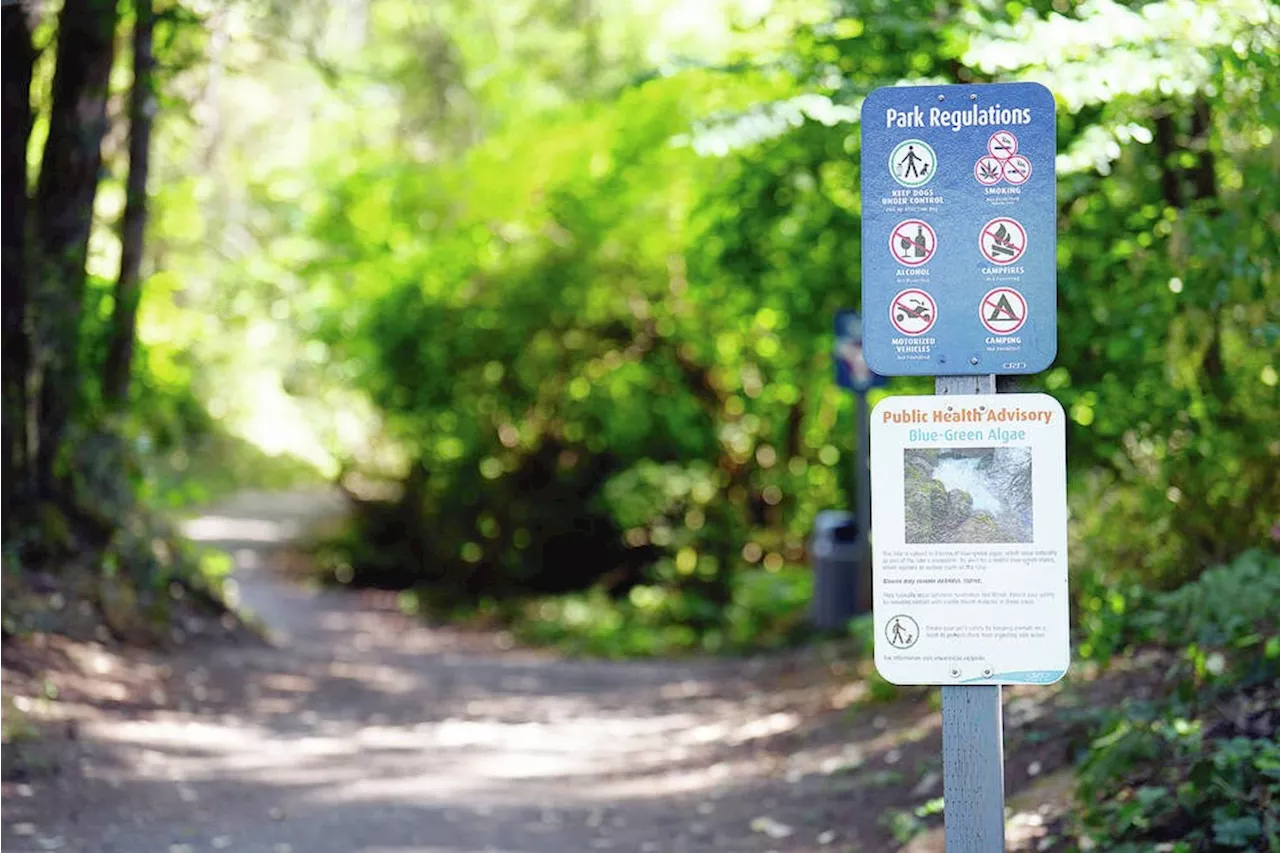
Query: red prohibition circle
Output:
(1003,311)
(1017,170)
(905,242)
(913,312)
(1003,240)
(1004,152)
(996,172)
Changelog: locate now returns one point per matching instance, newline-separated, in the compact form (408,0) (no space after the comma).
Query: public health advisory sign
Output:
(959,268)
(970,541)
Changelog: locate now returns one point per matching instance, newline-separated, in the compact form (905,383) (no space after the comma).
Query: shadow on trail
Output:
(359,729)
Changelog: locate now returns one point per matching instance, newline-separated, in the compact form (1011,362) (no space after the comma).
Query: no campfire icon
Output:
(1003,240)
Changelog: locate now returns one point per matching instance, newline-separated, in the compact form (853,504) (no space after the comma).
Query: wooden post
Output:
(972,731)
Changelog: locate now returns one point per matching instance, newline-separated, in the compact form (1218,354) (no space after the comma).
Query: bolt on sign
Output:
(959,201)
(970,540)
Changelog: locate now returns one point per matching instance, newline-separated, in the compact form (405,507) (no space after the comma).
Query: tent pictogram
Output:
(1002,240)
(1003,310)
(913,312)
(988,170)
(1017,169)
(913,163)
(1002,145)
(913,242)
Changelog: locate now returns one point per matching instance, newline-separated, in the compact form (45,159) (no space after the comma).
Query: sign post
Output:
(959,283)
(853,373)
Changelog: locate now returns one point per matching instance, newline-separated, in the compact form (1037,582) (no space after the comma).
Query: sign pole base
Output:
(972,731)
(973,768)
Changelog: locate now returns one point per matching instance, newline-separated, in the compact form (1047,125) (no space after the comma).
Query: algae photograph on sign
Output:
(969,495)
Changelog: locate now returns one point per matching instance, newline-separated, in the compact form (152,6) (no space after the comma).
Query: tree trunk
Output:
(116,369)
(64,215)
(15,124)
(1203,176)
(1166,143)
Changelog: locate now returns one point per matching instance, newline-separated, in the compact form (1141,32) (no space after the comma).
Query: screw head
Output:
(973,360)
(986,673)
(955,672)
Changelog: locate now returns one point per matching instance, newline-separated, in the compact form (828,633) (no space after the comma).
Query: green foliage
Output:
(1226,615)
(1229,606)
(607,323)
(1200,768)
(1161,779)
(765,609)
(902,824)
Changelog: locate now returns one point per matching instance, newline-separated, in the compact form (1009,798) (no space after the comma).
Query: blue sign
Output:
(851,366)
(959,242)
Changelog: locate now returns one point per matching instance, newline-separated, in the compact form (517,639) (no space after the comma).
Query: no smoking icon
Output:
(988,170)
(1016,170)
(1002,145)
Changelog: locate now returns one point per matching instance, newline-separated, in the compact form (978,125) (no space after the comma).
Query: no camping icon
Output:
(913,242)
(1003,311)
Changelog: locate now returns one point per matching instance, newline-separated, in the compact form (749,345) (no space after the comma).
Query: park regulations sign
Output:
(969,535)
(959,217)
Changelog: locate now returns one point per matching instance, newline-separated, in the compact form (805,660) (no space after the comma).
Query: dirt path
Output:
(357,729)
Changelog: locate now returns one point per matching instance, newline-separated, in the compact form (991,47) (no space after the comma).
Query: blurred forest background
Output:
(547,286)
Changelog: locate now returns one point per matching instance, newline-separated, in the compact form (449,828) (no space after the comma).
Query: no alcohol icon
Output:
(901,631)
(913,242)
(913,163)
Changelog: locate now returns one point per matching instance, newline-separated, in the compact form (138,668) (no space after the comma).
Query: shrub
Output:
(1199,769)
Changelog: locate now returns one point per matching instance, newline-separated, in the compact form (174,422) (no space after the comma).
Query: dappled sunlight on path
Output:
(357,728)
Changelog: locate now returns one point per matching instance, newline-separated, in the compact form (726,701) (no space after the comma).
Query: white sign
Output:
(969,539)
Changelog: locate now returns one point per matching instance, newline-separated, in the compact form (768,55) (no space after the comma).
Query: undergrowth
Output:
(1197,769)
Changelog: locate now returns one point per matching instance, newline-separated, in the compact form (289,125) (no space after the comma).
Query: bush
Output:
(766,609)
(1163,780)
(1199,769)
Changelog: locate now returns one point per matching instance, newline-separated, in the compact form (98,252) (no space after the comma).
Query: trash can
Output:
(833,555)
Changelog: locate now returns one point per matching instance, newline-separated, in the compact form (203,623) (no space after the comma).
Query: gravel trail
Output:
(358,729)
